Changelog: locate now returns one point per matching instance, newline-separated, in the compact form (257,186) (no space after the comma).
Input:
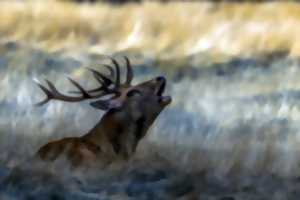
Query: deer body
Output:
(115,137)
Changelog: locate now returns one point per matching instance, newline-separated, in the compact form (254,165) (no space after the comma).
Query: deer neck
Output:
(118,133)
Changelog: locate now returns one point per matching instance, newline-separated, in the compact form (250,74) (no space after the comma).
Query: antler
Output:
(53,94)
(98,76)
(129,75)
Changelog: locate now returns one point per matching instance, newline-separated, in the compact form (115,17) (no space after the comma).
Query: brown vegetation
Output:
(164,31)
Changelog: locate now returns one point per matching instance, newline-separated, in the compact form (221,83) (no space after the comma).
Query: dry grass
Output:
(161,30)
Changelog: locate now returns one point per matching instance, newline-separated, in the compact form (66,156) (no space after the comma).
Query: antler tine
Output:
(53,93)
(46,91)
(51,86)
(129,75)
(80,88)
(117,80)
(106,81)
(111,70)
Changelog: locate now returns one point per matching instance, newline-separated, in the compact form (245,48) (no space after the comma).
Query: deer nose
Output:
(160,79)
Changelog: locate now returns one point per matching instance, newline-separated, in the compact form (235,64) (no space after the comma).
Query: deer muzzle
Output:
(163,100)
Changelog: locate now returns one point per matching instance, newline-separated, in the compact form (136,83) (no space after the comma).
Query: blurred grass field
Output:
(231,132)
(158,30)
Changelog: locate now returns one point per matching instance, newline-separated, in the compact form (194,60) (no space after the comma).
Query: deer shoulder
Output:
(129,112)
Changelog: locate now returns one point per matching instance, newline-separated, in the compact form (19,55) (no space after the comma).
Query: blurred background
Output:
(232,130)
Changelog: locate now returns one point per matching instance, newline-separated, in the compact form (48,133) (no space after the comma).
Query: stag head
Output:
(131,109)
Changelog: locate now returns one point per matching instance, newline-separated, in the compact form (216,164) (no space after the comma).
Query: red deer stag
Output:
(130,111)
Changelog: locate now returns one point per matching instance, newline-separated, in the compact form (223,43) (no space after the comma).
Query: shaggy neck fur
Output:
(118,134)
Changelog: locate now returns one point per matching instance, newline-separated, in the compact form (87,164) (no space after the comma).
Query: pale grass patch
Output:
(164,31)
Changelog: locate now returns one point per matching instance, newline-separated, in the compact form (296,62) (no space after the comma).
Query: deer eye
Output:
(132,93)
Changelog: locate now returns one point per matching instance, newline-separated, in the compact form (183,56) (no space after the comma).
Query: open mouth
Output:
(164,100)
(161,88)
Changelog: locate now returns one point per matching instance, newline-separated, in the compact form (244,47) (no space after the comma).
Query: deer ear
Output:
(106,105)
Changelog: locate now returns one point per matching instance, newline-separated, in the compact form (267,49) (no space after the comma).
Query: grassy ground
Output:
(232,131)
(163,31)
